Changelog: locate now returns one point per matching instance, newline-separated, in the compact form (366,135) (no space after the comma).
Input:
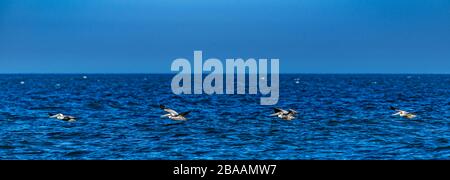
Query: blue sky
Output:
(308,36)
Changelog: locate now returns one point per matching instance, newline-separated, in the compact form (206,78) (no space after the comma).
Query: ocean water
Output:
(340,117)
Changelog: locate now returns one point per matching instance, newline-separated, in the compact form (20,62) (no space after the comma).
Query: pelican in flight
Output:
(173,114)
(402,113)
(62,117)
(285,115)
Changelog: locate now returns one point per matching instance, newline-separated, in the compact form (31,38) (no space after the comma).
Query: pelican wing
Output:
(394,108)
(278,110)
(185,113)
(50,115)
(291,111)
(171,111)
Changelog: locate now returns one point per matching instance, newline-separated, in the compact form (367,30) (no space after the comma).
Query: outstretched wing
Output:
(291,111)
(50,115)
(171,111)
(185,113)
(394,108)
(278,110)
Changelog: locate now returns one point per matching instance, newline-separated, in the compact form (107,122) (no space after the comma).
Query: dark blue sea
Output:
(340,117)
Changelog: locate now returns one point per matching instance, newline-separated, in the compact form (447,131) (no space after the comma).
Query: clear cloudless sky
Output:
(145,36)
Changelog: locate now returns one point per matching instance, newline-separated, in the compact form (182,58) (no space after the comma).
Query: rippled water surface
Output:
(341,117)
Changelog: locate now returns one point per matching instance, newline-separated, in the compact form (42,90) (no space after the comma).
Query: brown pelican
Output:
(173,114)
(285,115)
(402,113)
(62,117)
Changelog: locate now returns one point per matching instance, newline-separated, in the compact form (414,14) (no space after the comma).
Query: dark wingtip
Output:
(162,106)
(393,108)
(50,114)
(185,113)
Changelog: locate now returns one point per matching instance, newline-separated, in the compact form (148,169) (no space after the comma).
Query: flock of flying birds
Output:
(287,115)
(280,113)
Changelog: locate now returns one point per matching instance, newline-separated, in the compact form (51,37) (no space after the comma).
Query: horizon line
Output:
(170,73)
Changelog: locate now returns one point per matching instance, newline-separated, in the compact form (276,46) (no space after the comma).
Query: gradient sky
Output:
(308,36)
